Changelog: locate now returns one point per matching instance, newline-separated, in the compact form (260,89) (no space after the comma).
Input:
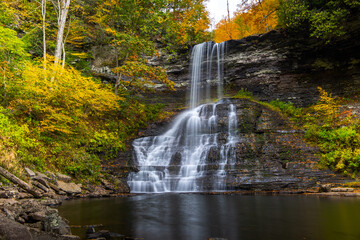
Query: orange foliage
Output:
(256,18)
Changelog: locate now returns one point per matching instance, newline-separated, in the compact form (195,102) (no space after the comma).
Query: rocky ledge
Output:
(269,155)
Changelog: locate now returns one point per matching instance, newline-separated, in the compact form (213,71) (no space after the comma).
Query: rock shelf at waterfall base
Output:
(266,155)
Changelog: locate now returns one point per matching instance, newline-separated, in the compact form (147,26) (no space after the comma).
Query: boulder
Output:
(176,159)
(70,188)
(54,223)
(340,189)
(325,188)
(37,216)
(99,191)
(11,230)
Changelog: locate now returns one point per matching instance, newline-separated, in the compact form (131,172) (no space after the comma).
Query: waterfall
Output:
(191,156)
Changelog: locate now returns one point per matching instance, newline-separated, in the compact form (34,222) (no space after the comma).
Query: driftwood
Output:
(20,182)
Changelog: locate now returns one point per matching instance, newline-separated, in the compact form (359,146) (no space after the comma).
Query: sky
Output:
(218,9)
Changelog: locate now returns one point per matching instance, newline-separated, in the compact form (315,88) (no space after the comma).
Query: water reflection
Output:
(195,216)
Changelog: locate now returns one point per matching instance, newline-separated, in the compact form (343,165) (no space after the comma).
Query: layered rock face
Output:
(289,68)
(262,153)
(278,65)
(270,155)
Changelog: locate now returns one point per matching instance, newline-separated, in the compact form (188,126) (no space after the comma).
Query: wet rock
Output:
(339,189)
(266,155)
(104,234)
(70,188)
(98,191)
(69,237)
(176,159)
(90,230)
(12,230)
(325,187)
(264,122)
(121,186)
(214,155)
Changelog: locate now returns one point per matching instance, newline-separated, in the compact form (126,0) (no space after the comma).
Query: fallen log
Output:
(11,177)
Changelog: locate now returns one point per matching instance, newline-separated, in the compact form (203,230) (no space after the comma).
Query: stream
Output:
(200,217)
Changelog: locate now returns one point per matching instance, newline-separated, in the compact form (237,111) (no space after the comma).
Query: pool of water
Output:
(200,217)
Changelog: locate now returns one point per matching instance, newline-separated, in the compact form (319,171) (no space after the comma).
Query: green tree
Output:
(12,53)
(323,19)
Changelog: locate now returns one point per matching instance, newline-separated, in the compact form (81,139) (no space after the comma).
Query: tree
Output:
(12,53)
(325,20)
(63,9)
(138,28)
(59,99)
(43,13)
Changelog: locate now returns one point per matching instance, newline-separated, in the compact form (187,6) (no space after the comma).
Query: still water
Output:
(200,217)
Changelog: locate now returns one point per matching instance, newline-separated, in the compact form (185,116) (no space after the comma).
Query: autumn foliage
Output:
(252,18)
(60,99)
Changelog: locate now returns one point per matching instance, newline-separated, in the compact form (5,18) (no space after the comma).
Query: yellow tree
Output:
(253,17)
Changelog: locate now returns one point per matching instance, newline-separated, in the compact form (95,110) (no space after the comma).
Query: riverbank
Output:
(27,207)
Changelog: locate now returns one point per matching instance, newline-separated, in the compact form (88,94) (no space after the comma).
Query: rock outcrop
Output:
(269,155)
(277,65)
(287,67)
(32,219)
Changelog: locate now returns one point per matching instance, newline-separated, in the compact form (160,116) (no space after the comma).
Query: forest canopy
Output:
(324,20)
(54,113)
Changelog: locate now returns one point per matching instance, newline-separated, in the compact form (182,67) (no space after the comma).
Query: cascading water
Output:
(178,160)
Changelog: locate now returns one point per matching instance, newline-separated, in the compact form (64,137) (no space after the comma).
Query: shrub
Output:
(288,108)
(243,93)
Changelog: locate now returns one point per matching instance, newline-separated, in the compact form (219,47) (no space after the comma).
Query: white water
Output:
(178,160)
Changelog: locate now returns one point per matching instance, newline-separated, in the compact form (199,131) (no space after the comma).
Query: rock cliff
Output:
(290,67)
(269,155)
(278,65)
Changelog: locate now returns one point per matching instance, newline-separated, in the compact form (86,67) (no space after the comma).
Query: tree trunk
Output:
(43,13)
(20,182)
(63,11)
